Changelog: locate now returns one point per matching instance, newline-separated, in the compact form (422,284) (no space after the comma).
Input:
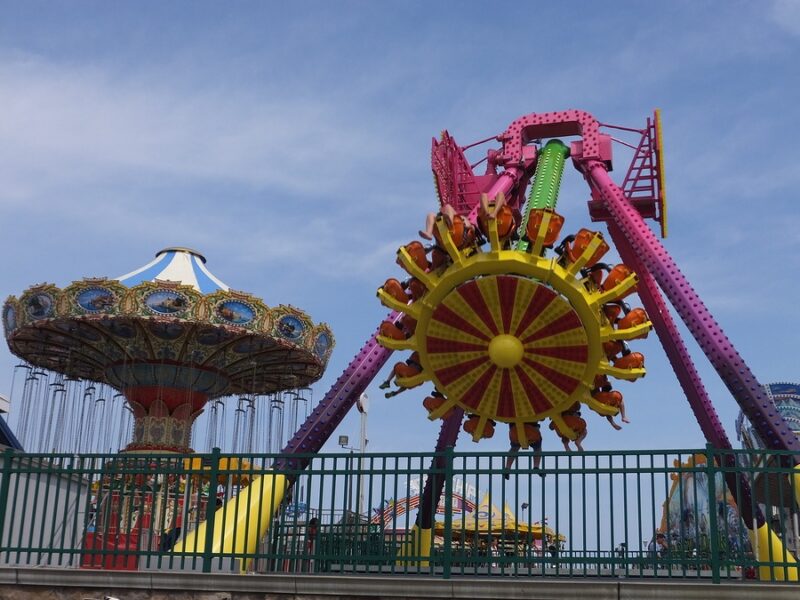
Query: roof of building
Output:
(7,437)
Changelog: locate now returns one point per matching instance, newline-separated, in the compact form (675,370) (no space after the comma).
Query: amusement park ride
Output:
(510,321)
(168,337)
(524,328)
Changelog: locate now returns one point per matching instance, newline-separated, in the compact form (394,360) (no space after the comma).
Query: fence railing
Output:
(664,513)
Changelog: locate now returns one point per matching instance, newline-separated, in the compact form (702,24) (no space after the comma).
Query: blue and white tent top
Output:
(182,265)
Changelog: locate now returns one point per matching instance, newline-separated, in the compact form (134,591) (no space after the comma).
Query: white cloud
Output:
(83,124)
(786,14)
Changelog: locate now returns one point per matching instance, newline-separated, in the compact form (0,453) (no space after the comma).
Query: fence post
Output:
(713,539)
(448,513)
(5,485)
(211,509)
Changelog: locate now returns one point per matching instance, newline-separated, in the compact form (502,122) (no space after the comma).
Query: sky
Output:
(289,143)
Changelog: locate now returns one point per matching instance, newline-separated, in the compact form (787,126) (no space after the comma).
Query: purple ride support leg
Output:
(687,376)
(736,375)
(434,483)
(333,408)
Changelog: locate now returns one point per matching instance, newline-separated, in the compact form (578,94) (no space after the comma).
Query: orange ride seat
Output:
(632,360)
(613,348)
(471,425)
(582,240)
(395,289)
(461,233)
(615,277)
(506,223)
(612,398)
(601,382)
(392,331)
(431,403)
(417,252)
(635,317)
(535,218)
(532,432)
(408,324)
(573,421)
(596,274)
(402,369)
(409,368)
(439,258)
(572,418)
(612,311)
(416,288)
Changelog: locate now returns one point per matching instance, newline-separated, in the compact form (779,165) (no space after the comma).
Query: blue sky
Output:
(290,144)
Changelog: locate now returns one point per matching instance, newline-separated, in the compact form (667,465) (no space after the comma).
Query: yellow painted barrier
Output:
(241,522)
(769,548)
(796,483)
(418,545)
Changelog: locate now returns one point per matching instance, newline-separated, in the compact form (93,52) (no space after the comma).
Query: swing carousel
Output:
(151,349)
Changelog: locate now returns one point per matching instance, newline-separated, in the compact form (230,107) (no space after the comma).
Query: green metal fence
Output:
(661,513)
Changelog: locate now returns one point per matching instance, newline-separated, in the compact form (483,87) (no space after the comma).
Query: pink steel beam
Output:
(553,124)
(507,181)
(687,374)
(515,154)
(736,375)
(642,183)
(670,339)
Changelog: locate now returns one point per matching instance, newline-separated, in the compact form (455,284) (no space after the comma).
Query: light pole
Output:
(348,492)
(529,535)
(363,408)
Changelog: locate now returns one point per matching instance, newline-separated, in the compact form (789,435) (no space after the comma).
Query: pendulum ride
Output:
(512,321)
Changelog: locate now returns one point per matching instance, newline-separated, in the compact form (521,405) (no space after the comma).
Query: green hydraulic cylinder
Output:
(546,183)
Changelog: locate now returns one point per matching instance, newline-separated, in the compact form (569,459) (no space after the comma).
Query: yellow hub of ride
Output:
(511,336)
(505,347)
(506,351)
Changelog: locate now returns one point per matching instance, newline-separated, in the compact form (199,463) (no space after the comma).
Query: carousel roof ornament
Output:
(169,336)
(182,265)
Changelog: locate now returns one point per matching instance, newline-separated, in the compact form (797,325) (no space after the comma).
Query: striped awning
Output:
(181,265)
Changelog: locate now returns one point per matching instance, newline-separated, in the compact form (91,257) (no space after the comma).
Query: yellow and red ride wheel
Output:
(511,336)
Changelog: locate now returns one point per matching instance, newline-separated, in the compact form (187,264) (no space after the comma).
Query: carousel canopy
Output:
(181,265)
(169,323)
(167,337)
